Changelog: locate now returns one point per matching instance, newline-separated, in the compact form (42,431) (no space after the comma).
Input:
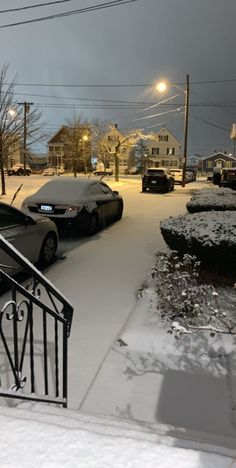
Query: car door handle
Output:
(10,239)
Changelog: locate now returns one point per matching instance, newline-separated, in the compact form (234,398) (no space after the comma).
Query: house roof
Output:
(161,131)
(56,134)
(218,153)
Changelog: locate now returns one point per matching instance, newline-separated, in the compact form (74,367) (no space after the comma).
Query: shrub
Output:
(210,236)
(186,302)
(212,200)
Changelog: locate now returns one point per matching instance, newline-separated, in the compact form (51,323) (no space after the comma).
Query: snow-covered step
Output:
(121,428)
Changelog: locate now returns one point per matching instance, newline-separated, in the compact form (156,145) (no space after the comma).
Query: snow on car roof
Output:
(64,189)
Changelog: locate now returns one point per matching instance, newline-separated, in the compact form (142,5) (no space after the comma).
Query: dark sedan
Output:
(84,204)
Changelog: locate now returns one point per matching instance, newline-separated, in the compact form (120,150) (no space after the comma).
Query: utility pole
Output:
(186,112)
(26,110)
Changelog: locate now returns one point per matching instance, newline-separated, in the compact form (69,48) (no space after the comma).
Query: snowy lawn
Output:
(212,199)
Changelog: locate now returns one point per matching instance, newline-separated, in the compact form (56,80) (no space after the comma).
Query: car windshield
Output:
(155,172)
(72,189)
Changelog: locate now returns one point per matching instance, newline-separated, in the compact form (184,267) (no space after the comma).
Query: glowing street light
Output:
(85,138)
(161,86)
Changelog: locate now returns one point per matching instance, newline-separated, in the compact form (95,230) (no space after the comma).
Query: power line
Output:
(97,7)
(118,85)
(86,99)
(213,104)
(212,124)
(136,103)
(29,7)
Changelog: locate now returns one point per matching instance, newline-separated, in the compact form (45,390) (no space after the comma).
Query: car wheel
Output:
(144,189)
(119,211)
(48,250)
(92,225)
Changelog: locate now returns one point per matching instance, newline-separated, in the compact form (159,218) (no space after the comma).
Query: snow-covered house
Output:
(164,150)
(58,154)
(111,138)
(218,159)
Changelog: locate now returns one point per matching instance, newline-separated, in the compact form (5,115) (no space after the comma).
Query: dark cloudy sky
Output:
(136,43)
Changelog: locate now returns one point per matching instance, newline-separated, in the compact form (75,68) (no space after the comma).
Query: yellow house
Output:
(164,150)
(110,140)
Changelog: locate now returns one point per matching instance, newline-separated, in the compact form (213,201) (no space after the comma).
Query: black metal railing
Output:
(35,323)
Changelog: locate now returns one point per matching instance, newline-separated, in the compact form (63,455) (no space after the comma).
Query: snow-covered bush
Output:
(188,303)
(212,200)
(211,236)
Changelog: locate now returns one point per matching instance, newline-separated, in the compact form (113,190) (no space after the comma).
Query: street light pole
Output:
(85,138)
(26,110)
(186,113)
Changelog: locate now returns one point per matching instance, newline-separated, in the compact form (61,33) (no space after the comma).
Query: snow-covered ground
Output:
(152,382)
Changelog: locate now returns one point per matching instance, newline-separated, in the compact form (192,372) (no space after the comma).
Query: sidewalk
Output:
(182,388)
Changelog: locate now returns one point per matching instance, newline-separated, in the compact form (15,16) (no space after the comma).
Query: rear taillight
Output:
(74,209)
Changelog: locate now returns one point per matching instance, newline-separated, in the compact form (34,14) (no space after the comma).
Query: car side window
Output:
(10,217)
(106,189)
(96,189)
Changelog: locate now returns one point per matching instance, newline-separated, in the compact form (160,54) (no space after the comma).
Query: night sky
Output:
(136,43)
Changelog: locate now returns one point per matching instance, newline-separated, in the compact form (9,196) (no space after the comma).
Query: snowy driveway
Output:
(100,275)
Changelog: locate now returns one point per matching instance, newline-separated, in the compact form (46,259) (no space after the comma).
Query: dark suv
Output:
(159,179)
(228,178)
(18,169)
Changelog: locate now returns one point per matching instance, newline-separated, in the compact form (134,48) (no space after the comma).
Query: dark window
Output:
(155,151)
(105,188)
(10,217)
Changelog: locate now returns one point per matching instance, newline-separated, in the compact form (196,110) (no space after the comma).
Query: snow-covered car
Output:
(18,169)
(178,175)
(100,172)
(51,171)
(158,179)
(80,203)
(34,236)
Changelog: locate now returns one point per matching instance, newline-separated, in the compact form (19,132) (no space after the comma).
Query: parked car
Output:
(51,171)
(158,179)
(18,169)
(80,203)
(178,175)
(34,236)
(189,176)
(228,178)
(132,171)
(100,172)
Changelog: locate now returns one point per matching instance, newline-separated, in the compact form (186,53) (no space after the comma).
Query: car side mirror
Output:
(29,221)
(115,192)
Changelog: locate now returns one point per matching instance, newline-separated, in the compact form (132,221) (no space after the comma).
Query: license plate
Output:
(153,181)
(46,208)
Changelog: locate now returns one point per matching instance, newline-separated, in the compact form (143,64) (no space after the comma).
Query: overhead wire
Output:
(119,85)
(96,7)
(29,7)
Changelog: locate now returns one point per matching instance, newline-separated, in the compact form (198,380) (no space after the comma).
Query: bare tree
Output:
(100,149)
(12,123)
(129,141)
(76,135)
(142,155)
